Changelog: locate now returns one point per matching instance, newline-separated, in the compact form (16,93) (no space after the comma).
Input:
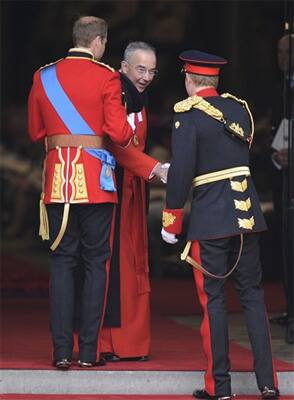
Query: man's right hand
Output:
(161,170)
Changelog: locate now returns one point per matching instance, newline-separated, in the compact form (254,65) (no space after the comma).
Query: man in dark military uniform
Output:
(210,151)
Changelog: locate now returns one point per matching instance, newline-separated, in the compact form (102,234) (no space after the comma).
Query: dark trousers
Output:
(218,256)
(87,238)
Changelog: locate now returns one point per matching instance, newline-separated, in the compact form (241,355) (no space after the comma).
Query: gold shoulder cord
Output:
(185,257)
(187,104)
(103,65)
(244,104)
(209,109)
(44,224)
(54,62)
(63,227)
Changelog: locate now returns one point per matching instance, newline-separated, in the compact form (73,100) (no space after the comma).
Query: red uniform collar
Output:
(207,92)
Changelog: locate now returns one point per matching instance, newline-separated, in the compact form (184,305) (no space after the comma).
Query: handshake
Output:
(161,170)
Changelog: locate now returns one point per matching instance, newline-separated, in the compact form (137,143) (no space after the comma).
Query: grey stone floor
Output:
(238,333)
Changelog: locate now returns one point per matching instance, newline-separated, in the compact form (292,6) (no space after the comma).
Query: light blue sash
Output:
(75,123)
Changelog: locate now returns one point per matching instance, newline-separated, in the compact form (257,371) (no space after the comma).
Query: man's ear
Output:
(99,40)
(124,66)
(188,78)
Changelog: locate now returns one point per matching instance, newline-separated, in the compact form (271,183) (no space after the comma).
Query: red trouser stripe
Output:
(205,327)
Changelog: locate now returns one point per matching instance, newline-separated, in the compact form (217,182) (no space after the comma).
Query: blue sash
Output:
(75,123)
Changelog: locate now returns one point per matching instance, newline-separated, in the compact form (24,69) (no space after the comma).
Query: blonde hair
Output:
(86,29)
(203,80)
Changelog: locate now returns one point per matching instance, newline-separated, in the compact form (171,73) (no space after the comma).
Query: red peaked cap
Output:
(200,63)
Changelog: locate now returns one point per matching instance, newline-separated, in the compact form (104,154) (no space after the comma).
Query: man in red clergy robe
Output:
(126,331)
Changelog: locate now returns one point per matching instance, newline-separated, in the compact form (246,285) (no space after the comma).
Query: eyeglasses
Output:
(143,70)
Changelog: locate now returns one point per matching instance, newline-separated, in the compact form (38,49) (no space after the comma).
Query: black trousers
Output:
(87,238)
(218,256)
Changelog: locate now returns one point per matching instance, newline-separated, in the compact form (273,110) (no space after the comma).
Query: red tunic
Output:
(132,339)
(72,175)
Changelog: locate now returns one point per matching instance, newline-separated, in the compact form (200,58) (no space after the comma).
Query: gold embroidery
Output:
(243,205)
(80,193)
(167,219)
(209,109)
(58,181)
(239,186)
(244,104)
(201,104)
(237,128)
(246,223)
(177,124)
(187,104)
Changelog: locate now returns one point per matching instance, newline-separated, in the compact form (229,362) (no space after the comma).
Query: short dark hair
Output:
(86,29)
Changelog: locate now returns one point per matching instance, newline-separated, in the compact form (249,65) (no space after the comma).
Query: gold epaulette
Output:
(201,104)
(245,105)
(187,104)
(104,65)
(47,65)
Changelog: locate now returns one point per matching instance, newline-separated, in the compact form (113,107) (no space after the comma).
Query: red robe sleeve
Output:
(133,159)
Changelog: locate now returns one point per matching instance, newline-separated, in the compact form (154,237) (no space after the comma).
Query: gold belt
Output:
(92,141)
(220,175)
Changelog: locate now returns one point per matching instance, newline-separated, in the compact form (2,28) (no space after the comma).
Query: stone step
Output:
(125,382)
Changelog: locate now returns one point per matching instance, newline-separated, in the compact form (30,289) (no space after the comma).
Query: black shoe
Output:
(110,357)
(202,394)
(62,363)
(92,364)
(267,393)
(140,358)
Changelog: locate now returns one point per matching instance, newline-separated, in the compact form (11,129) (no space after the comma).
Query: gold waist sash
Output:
(220,175)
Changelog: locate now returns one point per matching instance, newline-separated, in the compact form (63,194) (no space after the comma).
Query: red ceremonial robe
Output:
(132,337)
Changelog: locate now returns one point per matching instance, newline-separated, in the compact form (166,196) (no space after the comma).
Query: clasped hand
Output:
(161,170)
(168,237)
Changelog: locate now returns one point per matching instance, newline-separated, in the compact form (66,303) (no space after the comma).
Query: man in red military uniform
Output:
(210,152)
(73,104)
(126,331)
